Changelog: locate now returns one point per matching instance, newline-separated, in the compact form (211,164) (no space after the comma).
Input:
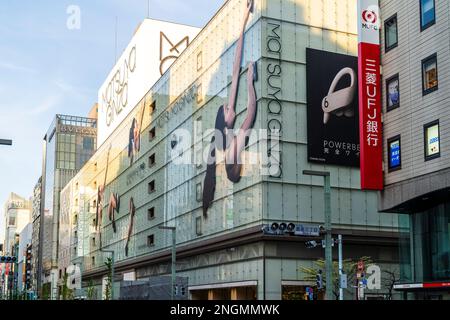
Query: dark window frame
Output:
(389,141)
(151,240)
(152,107)
(151,214)
(152,134)
(389,48)
(151,187)
(425,145)
(199,226)
(436,87)
(390,79)
(429,24)
(152,160)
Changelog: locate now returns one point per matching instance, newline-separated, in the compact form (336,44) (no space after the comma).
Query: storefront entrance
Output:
(224,292)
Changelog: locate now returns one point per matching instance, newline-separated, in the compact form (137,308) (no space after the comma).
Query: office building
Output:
(415,63)
(68,144)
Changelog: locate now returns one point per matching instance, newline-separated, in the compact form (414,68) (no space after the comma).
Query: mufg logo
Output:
(370,19)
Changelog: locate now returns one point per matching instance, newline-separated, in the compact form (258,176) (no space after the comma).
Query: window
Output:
(199,192)
(93,261)
(12,221)
(88,143)
(152,160)
(151,214)
(93,242)
(151,187)
(153,107)
(94,222)
(94,204)
(432,141)
(152,134)
(75,219)
(198,226)
(429,74)
(60,273)
(395,160)
(391,33)
(427,14)
(393,93)
(199,93)
(150,240)
(199,61)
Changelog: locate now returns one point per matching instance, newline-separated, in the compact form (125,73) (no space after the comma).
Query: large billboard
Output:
(154,47)
(369,23)
(333,131)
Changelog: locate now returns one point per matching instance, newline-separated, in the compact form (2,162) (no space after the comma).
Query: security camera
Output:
(338,102)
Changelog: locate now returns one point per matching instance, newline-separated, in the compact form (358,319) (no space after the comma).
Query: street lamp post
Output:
(328,245)
(5,142)
(112,271)
(174,253)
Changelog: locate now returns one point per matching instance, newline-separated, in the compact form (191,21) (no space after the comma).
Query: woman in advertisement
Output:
(224,139)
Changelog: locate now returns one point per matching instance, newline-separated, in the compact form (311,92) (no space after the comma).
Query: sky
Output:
(48,69)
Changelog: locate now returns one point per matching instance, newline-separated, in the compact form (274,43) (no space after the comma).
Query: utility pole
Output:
(341,272)
(174,253)
(112,271)
(328,245)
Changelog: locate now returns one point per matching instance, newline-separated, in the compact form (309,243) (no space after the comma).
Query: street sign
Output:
(306,230)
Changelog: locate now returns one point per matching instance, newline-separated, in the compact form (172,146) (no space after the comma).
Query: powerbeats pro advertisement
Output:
(333,114)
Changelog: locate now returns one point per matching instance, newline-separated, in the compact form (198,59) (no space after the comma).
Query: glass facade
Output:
(425,245)
(69,143)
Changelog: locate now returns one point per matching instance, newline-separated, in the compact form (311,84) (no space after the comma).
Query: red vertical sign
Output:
(370,124)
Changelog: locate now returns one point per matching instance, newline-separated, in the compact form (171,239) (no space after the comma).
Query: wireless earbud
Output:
(336,101)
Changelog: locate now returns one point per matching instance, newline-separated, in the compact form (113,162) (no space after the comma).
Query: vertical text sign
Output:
(371,137)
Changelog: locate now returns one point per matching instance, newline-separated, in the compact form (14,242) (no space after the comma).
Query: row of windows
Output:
(432,148)
(427,19)
(429,82)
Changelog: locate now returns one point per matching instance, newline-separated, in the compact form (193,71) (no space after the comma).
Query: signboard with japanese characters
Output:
(370,124)
(333,130)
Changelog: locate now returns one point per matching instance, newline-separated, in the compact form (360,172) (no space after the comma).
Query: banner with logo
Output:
(332,95)
(371,131)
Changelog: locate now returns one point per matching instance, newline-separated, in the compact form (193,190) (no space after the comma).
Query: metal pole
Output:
(328,245)
(328,248)
(174,261)
(112,275)
(341,290)
(5,142)
(174,252)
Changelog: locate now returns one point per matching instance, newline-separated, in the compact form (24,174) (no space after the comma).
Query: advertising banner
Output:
(370,124)
(154,47)
(333,130)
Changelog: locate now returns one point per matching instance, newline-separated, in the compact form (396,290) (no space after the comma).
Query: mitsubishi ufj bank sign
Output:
(151,51)
(370,125)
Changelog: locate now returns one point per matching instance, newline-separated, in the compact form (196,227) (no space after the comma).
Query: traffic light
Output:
(319,280)
(279,228)
(8,259)
(311,244)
